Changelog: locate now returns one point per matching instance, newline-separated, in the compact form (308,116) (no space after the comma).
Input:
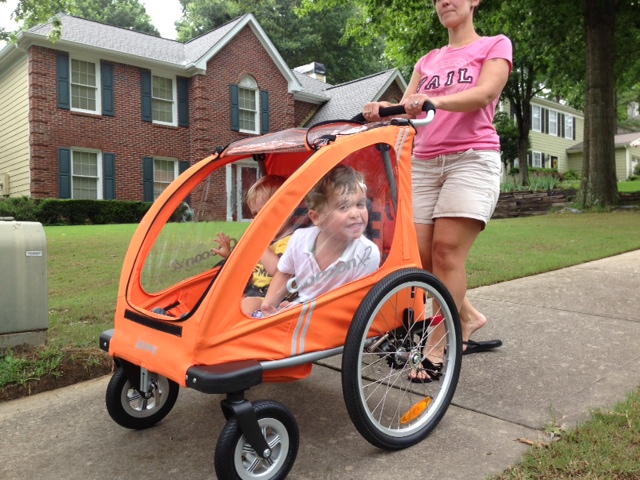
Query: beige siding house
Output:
(14,125)
(557,134)
(627,155)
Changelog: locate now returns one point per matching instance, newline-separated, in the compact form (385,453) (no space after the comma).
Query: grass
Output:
(605,447)
(630,186)
(84,264)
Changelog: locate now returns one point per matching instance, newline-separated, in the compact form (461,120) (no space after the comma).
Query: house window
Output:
(164,172)
(85,175)
(536,118)
(568,127)
(536,159)
(248,105)
(84,86)
(553,123)
(163,96)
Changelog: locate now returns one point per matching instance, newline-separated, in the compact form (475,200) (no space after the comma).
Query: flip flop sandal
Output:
(433,371)
(483,346)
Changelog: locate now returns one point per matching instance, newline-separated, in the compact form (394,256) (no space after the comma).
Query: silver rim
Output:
(249,465)
(396,406)
(136,405)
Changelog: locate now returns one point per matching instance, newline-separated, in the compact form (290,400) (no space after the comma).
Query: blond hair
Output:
(341,179)
(266,185)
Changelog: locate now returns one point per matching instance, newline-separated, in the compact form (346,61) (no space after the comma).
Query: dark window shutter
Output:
(545,122)
(235,108)
(145,83)
(573,123)
(561,124)
(109,176)
(264,111)
(147,179)
(62,71)
(529,158)
(108,107)
(183,165)
(183,101)
(542,160)
(64,173)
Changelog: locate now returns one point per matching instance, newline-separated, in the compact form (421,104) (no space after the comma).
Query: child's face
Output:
(345,216)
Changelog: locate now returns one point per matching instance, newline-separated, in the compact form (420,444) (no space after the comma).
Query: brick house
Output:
(107,113)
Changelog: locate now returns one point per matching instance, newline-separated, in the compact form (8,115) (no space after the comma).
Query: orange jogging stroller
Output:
(179,321)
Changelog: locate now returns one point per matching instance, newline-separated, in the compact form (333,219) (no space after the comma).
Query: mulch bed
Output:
(77,365)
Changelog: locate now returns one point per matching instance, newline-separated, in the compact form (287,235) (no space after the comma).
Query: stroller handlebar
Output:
(399,110)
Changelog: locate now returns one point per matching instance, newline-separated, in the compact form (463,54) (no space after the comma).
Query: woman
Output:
(456,166)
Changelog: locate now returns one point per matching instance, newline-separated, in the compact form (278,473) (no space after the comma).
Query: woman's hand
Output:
(413,104)
(371,110)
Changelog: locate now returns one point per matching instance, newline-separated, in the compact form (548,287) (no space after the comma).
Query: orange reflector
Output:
(415,411)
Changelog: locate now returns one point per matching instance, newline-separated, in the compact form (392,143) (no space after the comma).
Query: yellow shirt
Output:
(260,277)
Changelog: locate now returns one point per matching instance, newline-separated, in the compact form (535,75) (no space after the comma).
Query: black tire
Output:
(128,407)
(386,341)
(236,460)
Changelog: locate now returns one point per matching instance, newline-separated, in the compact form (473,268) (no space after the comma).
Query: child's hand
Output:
(224,242)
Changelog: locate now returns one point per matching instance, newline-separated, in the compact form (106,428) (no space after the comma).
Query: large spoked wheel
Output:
(130,408)
(234,457)
(406,318)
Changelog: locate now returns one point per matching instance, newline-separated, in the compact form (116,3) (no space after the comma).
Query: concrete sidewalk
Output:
(570,345)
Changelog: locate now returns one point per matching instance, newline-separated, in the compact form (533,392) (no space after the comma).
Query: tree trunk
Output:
(599,184)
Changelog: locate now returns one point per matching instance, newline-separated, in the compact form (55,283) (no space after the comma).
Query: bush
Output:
(570,175)
(73,212)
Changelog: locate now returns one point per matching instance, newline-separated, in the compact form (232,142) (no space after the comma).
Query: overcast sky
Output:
(163,14)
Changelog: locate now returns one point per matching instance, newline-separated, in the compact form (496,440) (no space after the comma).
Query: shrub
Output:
(571,175)
(73,212)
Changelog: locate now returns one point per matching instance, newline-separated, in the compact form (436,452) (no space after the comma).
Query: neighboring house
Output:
(557,134)
(107,113)
(554,129)
(627,155)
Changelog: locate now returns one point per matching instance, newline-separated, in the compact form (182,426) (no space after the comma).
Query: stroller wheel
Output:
(131,409)
(236,459)
(406,323)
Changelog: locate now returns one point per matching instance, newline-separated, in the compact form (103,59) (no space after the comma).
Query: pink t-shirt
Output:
(450,70)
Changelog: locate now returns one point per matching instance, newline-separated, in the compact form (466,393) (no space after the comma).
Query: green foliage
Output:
(300,39)
(15,369)
(129,14)
(509,135)
(73,212)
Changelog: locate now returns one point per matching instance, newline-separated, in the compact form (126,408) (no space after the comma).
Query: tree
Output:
(299,39)
(549,55)
(509,138)
(599,168)
(129,14)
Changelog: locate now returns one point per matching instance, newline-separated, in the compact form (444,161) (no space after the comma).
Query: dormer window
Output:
(248,104)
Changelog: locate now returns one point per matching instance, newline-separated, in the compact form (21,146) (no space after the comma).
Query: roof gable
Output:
(347,99)
(142,49)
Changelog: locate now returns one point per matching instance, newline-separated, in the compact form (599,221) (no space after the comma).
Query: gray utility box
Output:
(24,303)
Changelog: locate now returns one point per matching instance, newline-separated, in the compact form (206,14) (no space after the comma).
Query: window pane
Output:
(247,120)
(85,175)
(83,73)
(162,88)
(163,175)
(83,97)
(162,111)
(83,85)
(85,188)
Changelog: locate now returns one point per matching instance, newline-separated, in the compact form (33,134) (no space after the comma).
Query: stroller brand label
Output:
(141,345)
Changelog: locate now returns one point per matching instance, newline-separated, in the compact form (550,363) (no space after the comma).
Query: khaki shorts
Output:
(465,184)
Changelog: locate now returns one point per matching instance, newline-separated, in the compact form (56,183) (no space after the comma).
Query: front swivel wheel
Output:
(236,459)
(137,410)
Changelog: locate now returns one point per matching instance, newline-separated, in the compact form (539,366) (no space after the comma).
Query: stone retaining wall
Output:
(524,204)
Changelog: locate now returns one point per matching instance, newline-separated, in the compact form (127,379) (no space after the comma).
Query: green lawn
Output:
(84,264)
